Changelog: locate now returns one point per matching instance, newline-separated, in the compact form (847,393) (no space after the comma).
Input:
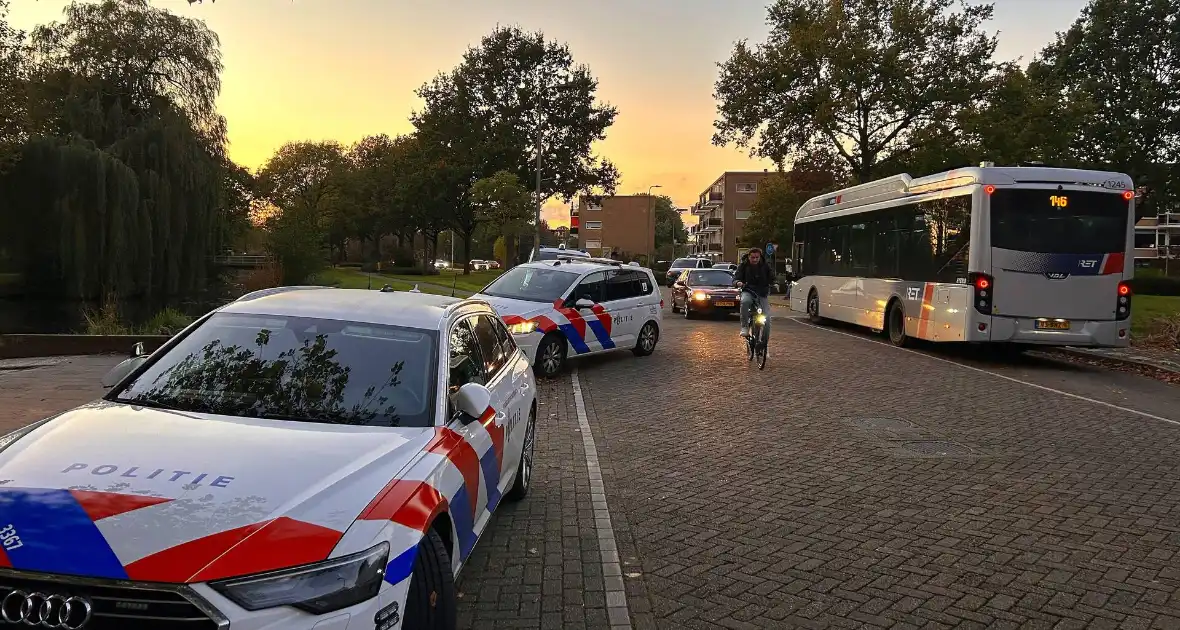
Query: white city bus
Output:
(1016,255)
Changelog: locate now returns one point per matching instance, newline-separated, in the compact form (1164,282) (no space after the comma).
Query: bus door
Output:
(1058,255)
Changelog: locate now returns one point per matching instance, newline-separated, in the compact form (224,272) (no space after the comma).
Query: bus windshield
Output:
(1059,221)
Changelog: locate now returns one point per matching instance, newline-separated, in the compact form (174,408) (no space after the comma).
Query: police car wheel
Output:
(524,471)
(648,336)
(550,356)
(430,603)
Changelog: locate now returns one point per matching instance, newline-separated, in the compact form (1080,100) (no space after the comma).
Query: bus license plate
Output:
(724,303)
(1050,324)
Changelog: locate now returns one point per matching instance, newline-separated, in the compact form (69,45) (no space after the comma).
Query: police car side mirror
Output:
(584,303)
(120,372)
(472,401)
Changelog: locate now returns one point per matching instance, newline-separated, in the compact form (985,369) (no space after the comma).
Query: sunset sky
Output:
(343,69)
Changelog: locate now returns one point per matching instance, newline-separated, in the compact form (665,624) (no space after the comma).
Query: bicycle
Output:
(756,342)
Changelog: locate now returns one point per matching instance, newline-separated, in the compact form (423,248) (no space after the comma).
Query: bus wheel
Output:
(813,308)
(895,325)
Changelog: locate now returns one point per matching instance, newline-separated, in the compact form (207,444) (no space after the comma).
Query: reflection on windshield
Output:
(717,278)
(536,284)
(294,368)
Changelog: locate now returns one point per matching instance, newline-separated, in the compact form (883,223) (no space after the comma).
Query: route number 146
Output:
(9,540)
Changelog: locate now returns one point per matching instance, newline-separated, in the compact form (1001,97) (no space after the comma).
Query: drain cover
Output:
(936,448)
(882,424)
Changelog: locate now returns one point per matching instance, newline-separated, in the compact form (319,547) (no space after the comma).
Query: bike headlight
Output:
(700,296)
(522,328)
(317,588)
(760,318)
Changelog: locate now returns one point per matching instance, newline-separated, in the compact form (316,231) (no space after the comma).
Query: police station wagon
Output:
(579,305)
(300,458)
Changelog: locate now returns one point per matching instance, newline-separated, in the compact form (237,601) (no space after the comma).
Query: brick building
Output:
(621,223)
(722,212)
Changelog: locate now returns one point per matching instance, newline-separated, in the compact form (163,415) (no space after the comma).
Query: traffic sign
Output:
(770,249)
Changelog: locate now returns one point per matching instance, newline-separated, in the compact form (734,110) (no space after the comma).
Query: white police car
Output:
(302,457)
(578,304)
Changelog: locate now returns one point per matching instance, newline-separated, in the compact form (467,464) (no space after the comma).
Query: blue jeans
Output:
(748,307)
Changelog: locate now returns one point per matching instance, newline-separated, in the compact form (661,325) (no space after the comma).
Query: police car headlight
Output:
(317,588)
(522,328)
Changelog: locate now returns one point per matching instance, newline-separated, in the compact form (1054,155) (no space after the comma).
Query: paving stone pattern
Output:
(755,501)
(28,395)
(539,564)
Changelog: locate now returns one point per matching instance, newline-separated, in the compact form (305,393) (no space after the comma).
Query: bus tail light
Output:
(984,287)
(1123,307)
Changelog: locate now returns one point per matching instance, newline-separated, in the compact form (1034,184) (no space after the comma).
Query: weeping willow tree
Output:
(127,167)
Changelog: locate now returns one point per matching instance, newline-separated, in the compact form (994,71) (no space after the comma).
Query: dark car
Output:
(705,292)
(680,264)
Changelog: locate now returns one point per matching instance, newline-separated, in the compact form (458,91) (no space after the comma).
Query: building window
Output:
(594,225)
(742,214)
(747,187)
(718,188)
(593,244)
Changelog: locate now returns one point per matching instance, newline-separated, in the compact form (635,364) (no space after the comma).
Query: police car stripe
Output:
(463,456)
(602,334)
(55,534)
(100,505)
(4,561)
(280,543)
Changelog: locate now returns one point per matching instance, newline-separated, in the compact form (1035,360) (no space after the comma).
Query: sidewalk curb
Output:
(1091,354)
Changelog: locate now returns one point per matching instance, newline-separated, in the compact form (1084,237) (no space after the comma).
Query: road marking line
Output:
(612,571)
(995,374)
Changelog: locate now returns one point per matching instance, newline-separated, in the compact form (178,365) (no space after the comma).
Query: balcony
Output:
(710,225)
(714,247)
(712,199)
(698,210)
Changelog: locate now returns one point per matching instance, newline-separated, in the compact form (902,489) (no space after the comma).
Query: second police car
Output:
(577,306)
(300,458)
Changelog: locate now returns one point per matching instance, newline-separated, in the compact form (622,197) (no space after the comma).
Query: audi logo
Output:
(45,611)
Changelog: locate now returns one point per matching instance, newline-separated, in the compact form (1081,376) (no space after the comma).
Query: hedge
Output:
(1155,285)
(390,270)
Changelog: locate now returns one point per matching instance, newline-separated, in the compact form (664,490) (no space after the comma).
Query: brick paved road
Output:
(783,498)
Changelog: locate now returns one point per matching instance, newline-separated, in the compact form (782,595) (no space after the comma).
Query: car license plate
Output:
(1052,324)
(723,303)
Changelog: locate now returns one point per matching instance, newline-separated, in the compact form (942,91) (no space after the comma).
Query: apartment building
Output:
(1158,237)
(623,224)
(722,211)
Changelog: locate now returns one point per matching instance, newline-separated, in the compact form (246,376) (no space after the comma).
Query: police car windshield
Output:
(535,284)
(296,368)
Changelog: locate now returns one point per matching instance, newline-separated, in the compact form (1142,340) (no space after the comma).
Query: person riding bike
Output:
(754,276)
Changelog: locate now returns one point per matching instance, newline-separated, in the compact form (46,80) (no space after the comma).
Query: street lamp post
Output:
(651,254)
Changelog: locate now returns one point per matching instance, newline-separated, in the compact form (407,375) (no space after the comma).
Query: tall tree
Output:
(669,226)
(513,92)
(503,208)
(1119,65)
(138,85)
(857,78)
(780,195)
(13,95)
(304,181)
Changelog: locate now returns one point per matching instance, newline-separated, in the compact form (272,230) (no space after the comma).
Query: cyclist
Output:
(754,276)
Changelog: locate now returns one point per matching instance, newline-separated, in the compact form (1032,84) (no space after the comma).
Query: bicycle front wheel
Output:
(762,356)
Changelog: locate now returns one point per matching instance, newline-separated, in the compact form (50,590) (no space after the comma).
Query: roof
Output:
(393,308)
(903,185)
(579,264)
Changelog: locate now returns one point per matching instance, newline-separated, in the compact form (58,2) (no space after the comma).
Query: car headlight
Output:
(700,296)
(317,588)
(522,328)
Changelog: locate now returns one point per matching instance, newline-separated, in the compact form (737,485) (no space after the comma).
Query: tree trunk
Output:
(509,251)
(467,251)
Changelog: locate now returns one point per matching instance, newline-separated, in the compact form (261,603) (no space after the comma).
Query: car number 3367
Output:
(8,538)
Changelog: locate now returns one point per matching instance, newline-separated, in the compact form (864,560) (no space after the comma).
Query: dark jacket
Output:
(756,277)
